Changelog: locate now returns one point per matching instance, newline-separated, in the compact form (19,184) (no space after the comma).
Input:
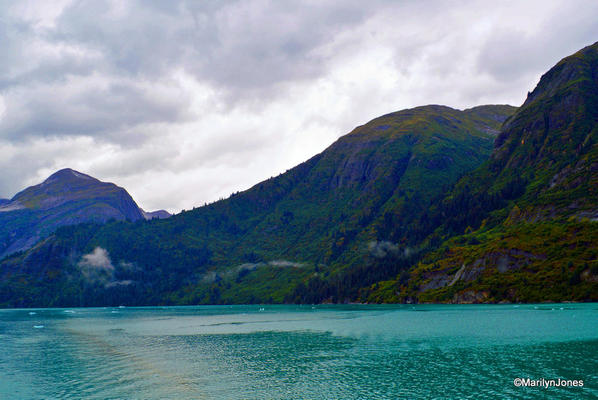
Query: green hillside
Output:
(525,222)
(350,208)
(431,204)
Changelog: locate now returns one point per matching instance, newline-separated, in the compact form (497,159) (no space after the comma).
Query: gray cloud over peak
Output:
(183,102)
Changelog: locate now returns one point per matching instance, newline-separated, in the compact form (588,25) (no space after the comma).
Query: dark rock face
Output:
(67,197)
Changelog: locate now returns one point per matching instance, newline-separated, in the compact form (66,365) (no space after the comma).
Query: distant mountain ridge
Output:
(66,197)
(159,214)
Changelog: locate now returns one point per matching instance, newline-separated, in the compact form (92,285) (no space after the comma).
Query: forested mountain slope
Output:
(429,204)
(522,227)
(349,206)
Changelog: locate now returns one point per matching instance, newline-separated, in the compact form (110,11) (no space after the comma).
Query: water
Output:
(298,352)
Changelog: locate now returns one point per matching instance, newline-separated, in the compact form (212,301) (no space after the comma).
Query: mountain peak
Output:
(73,187)
(158,214)
(558,116)
(63,185)
(575,72)
(68,173)
(66,197)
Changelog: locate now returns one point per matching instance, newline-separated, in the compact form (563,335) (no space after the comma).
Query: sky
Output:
(185,102)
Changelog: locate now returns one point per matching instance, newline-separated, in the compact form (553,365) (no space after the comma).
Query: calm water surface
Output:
(298,352)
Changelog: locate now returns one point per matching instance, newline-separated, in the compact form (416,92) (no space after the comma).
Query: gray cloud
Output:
(273,263)
(102,67)
(513,53)
(234,44)
(88,108)
(96,266)
(381,249)
(212,276)
(185,102)
(285,263)
(125,282)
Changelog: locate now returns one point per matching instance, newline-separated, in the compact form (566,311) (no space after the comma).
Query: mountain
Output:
(430,204)
(160,214)
(522,227)
(344,209)
(67,197)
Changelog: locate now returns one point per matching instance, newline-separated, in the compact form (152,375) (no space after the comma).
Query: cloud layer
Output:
(185,102)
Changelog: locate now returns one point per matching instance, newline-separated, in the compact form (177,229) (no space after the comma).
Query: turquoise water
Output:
(298,352)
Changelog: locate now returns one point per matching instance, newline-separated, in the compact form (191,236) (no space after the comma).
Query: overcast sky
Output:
(185,102)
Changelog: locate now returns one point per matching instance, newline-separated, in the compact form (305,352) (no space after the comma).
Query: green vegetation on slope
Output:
(407,208)
(527,262)
(349,208)
(534,203)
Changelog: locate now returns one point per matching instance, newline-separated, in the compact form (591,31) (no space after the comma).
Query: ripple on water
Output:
(445,352)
